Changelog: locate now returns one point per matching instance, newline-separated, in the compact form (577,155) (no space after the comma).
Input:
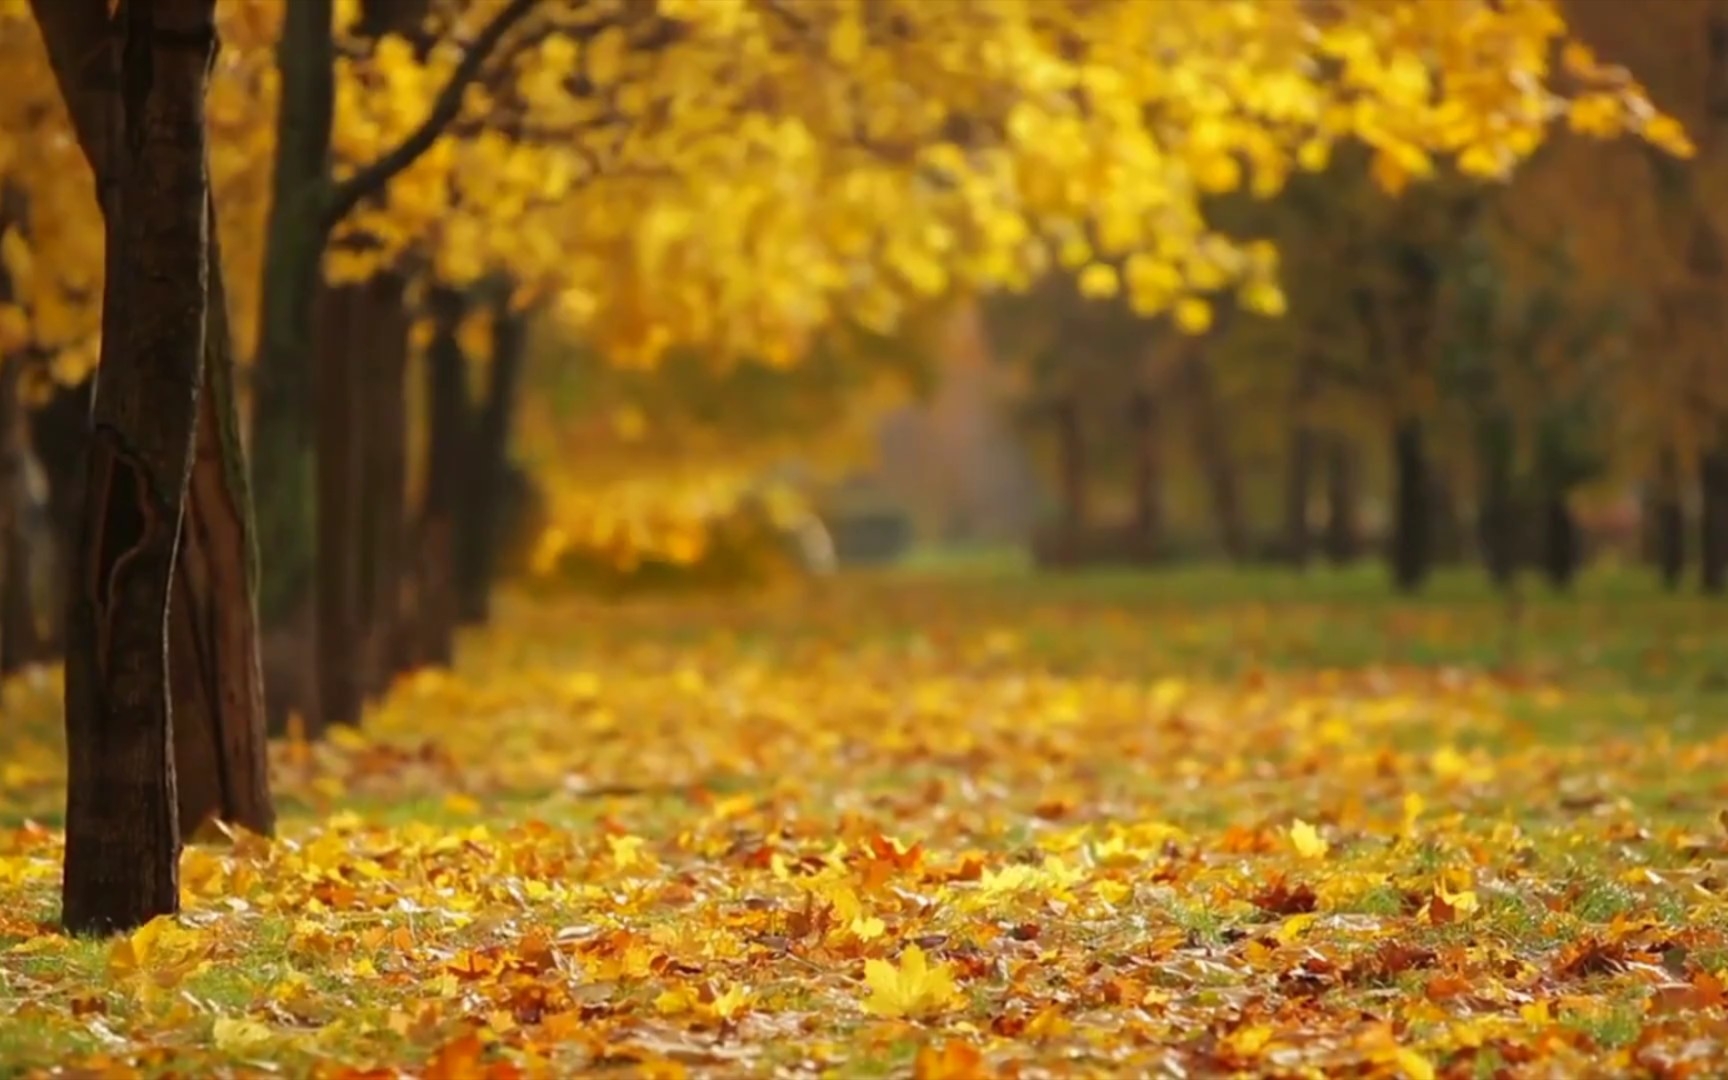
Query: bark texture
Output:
(122,835)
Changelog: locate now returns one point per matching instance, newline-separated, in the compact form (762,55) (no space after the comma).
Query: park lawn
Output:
(953,824)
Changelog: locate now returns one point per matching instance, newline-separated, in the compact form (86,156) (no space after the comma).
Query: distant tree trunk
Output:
(1146,419)
(1070,464)
(122,835)
(20,642)
(339,372)
(479,526)
(1562,547)
(1411,550)
(1446,530)
(1498,515)
(1212,447)
(1713,541)
(59,433)
(219,723)
(1667,514)
(1299,476)
(446,462)
(1343,537)
(384,508)
(283,433)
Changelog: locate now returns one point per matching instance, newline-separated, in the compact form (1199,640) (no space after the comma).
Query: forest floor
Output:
(952,825)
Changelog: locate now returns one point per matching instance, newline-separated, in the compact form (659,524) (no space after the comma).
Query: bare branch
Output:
(371,179)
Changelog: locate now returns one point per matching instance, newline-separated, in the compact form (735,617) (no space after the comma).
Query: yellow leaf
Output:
(1099,282)
(238,1035)
(606,56)
(1412,1064)
(1193,315)
(1307,841)
(911,989)
(133,952)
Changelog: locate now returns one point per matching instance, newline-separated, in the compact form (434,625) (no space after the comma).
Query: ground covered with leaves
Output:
(951,828)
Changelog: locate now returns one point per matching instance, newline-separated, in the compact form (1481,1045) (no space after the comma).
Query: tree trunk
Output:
(1713,539)
(282,418)
(447,459)
(20,640)
(1070,465)
(1212,447)
(480,523)
(339,375)
(219,726)
(1667,514)
(1343,517)
(1144,416)
(122,836)
(1411,506)
(1498,516)
(1562,551)
(384,508)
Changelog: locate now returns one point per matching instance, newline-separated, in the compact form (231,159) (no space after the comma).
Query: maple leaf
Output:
(913,988)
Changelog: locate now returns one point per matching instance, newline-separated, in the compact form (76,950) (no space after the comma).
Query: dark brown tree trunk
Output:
(1212,447)
(1562,545)
(479,525)
(1667,523)
(1145,418)
(1713,538)
(219,726)
(384,509)
(337,596)
(446,461)
(122,835)
(1298,493)
(1343,538)
(1412,504)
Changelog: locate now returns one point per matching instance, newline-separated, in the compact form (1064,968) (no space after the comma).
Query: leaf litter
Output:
(881,831)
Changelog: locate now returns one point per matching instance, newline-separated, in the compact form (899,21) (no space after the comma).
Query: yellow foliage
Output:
(865,159)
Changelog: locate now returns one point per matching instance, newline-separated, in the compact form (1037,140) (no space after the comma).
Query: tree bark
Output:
(1411,552)
(1343,537)
(122,836)
(1713,539)
(384,510)
(479,525)
(447,459)
(339,639)
(220,760)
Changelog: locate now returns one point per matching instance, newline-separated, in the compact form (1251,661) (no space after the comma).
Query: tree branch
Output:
(371,179)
